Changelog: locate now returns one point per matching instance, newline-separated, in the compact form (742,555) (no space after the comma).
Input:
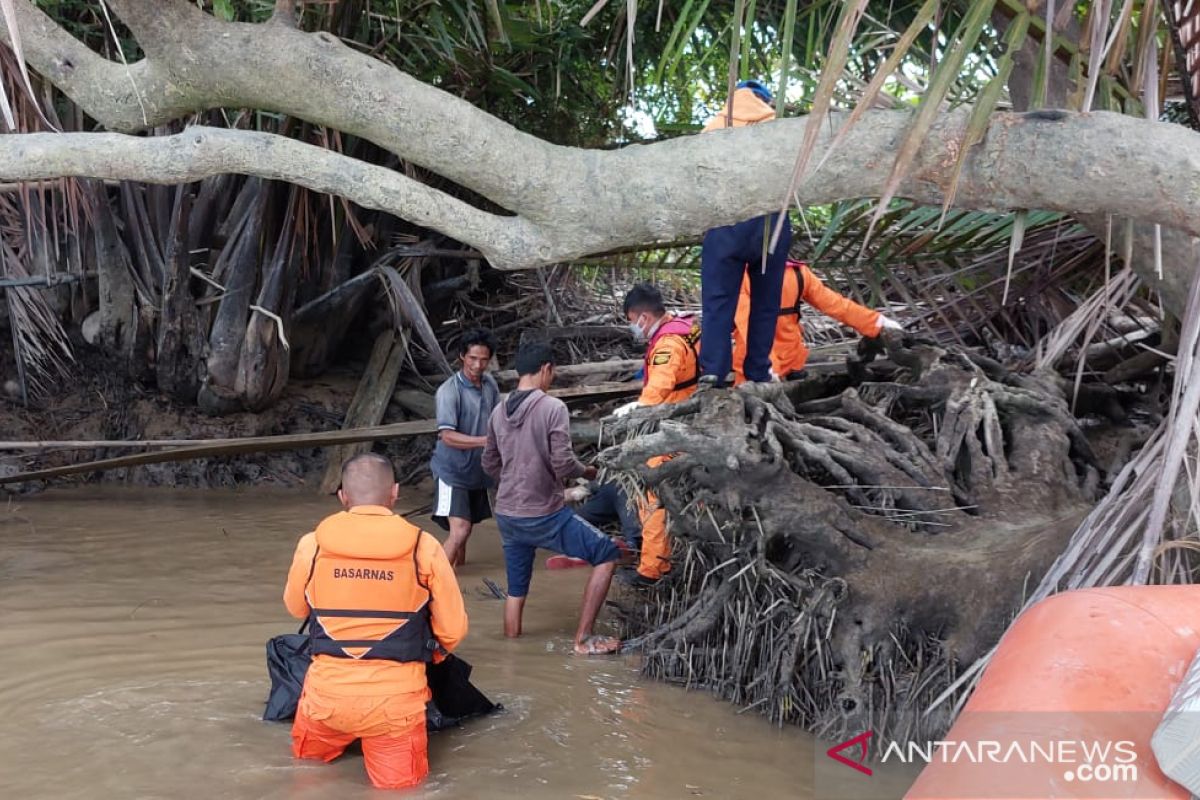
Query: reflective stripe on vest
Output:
(789,310)
(686,329)
(410,639)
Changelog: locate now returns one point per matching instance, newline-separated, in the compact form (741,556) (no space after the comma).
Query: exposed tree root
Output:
(838,558)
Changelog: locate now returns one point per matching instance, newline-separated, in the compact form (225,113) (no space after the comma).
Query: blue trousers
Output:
(727,254)
(561,532)
(609,503)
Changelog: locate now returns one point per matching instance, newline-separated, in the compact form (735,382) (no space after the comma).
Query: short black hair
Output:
(645,297)
(477,336)
(532,356)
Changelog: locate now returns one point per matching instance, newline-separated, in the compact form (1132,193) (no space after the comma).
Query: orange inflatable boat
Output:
(1068,704)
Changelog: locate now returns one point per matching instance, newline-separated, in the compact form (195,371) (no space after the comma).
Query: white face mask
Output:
(635,327)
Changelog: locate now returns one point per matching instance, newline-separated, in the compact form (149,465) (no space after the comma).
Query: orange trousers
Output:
(656,546)
(394,741)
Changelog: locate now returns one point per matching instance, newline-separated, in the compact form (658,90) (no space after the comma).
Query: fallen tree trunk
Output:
(370,400)
(838,558)
(564,202)
(613,367)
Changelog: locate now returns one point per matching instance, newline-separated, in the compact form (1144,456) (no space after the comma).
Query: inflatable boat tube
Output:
(1072,696)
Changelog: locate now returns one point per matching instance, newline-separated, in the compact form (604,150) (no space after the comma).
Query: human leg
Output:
(519,553)
(655,559)
(456,543)
(609,503)
(593,599)
(766,289)
(312,738)
(578,538)
(722,266)
(601,507)
(514,608)
(399,760)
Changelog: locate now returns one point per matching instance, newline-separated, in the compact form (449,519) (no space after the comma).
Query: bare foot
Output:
(597,646)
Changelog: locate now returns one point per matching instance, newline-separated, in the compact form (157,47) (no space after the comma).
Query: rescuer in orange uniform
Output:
(672,371)
(789,354)
(723,258)
(383,602)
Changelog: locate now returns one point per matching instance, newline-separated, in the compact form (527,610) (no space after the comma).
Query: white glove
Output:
(775,377)
(889,324)
(621,411)
(576,494)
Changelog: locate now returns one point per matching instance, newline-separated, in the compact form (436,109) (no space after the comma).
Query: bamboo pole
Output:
(199,448)
(229,447)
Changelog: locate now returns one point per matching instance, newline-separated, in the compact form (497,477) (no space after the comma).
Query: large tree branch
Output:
(200,152)
(684,186)
(315,77)
(119,96)
(574,202)
(1180,251)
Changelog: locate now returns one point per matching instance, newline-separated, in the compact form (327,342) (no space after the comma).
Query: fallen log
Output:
(580,370)
(370,401)
(38,445)
(598,391)
(416,402)
(549,333)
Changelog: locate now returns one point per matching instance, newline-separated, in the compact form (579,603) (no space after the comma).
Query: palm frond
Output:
(965,36)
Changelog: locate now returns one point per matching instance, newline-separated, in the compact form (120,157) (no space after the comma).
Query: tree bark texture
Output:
(181,346)
(564,202)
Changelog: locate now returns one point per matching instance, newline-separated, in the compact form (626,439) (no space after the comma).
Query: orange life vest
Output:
(687,329)
(365,593)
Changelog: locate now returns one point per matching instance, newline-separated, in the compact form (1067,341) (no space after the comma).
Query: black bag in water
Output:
(455,698)
(288,657)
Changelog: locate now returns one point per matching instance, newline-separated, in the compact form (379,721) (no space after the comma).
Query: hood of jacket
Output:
(516,417)
(748,109)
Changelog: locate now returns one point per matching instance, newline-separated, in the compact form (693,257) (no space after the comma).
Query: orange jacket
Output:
(748,109)
(672,362)
(364,559)
(788,352)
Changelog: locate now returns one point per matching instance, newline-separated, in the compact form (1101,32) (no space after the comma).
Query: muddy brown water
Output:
(131,666)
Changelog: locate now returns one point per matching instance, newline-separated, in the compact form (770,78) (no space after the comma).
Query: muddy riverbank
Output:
(104,406)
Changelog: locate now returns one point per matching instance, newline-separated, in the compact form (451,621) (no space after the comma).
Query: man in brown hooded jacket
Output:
(529,453)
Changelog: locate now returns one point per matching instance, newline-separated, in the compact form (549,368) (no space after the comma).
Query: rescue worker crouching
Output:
(789,353)
(672,373)
(383,602)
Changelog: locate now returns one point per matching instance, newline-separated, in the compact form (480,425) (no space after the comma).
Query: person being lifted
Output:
(732,253)
(789,353)
(529,453)
(382,601)
(464,402)
(671,371)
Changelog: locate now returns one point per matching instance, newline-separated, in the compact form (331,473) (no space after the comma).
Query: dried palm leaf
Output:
(965,37)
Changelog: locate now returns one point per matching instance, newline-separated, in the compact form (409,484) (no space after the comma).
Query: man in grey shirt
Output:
(464,403)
